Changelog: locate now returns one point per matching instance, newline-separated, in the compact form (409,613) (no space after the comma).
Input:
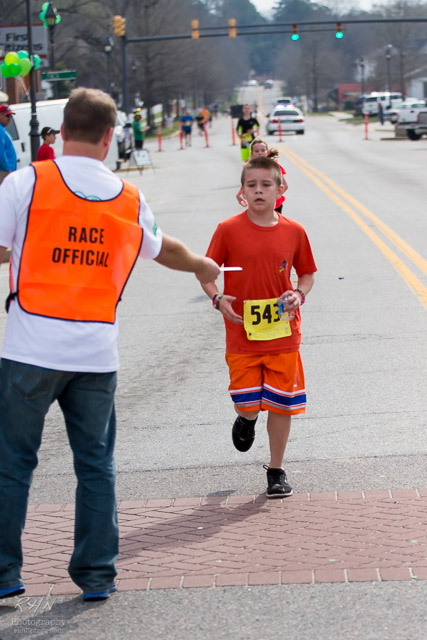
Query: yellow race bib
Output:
(261,320)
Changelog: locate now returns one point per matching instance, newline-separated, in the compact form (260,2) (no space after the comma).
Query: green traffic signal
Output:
(295,34)
(338,32)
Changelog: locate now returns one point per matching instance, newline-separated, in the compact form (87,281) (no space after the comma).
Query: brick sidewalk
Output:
(350,536)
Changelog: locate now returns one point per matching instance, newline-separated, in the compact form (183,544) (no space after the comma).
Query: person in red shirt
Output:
(46,152)
(262,343)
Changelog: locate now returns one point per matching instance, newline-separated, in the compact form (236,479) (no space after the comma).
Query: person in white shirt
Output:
(76,231)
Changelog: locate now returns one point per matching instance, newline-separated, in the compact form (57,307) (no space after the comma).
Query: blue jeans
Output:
(87,403)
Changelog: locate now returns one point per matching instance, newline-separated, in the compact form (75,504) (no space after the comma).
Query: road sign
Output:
(59,75)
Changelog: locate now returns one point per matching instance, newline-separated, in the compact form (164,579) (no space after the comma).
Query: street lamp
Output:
(51,21)
(362,73)
(388,61)
(108,47)
(34,123)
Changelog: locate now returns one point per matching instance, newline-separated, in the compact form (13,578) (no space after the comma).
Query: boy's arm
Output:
(2,252)
(175,255)
(294,297)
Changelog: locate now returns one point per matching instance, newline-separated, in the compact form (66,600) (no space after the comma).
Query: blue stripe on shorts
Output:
(247,397)
(284,400)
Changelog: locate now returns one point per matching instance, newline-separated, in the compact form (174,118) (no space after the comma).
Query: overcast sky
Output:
(265,6)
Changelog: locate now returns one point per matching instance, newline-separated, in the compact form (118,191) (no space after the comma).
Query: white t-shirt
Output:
(46,342)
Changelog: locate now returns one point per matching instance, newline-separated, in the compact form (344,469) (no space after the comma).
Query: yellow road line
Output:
(415,257)
(411,280)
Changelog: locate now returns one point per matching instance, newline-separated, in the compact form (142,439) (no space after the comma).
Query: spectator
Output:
(8,160)
(46,152)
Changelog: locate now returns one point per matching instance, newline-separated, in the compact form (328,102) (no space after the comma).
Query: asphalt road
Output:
(364,352)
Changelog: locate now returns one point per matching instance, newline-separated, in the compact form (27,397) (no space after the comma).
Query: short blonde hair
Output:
(262,162)
(88,115)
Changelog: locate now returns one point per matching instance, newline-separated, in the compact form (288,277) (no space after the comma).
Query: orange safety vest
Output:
(77,254)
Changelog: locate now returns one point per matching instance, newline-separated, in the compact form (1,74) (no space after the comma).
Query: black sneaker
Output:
(243,433)
(277,481)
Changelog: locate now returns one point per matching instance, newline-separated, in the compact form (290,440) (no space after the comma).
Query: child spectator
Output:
(45,151)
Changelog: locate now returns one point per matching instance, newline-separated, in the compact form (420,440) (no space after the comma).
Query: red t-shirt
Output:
(45,152)
(267,255)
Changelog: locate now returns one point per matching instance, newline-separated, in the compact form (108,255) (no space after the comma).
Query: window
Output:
(12,131)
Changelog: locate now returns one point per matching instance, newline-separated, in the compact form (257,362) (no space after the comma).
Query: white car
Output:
(290,118)
(287,101)
(124,134)
(408,111)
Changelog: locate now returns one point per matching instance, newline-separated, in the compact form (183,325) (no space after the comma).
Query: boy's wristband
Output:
(302,296)
(214,299)
(217,301)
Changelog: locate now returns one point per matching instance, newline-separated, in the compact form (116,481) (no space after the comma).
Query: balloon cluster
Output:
(18,63)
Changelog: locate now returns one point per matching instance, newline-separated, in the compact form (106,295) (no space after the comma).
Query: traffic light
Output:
(195,29)
(338,31)
(295,34)
(232,31)
(119,25)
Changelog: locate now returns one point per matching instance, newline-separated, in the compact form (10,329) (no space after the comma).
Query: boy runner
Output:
(247,129)
(187,126)
(262,350)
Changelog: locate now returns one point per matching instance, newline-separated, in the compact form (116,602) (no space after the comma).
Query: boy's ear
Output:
(281,189)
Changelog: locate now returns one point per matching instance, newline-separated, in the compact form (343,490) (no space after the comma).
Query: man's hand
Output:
(208,271)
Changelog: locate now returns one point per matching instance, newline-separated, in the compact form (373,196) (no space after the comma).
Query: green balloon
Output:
(11,58)
(26,66)
(36,60)
(14,70)
(23,54)
(4,68)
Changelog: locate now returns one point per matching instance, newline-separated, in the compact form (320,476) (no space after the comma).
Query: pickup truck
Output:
(415,130)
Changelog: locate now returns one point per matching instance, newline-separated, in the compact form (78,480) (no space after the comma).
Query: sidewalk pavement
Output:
(350,536)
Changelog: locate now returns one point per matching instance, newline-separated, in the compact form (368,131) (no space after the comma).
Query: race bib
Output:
(261,320)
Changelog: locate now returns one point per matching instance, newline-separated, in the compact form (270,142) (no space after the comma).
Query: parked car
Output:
(371,100)
(268,84)
(50,113)
(414,130)
(290,118)
(407,111)
(124,135)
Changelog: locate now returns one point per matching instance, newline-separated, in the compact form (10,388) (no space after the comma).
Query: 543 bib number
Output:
(261,320)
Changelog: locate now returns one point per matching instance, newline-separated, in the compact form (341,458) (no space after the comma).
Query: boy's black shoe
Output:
(243,433)
(278,485)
